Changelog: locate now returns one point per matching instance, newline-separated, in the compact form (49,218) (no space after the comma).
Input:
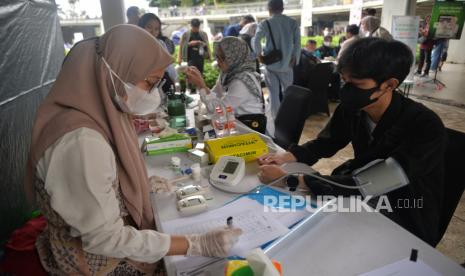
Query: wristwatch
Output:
(292,182)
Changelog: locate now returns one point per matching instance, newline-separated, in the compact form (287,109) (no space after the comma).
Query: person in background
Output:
(326,31)
(352,36)
(152,24)
(426,47)
(87,172)
(194,47)
(310,48)
(443,56)
(286,34)
(369,12)
(370,26)
(246,34)
(326,50)
(307,62)
(438,51)
(133,14)
(383,125)
(234,29)
(338,47)
(238,84)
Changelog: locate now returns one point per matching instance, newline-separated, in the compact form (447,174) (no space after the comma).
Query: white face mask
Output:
(327,44)
(139,101)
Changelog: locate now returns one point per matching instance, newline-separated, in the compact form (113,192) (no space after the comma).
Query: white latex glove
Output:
(215,243)
(159,184)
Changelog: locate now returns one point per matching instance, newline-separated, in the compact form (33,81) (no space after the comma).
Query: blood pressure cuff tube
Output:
(379,177)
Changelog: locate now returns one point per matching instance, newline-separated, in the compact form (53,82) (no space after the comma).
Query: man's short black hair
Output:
(352,29)
(328,37)
(371,11)
(133,10)
(275,5)
(311,41)
(248,18)
(195,22)
(377,59)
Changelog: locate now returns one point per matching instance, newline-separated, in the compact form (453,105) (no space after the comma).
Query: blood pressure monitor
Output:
(228,171)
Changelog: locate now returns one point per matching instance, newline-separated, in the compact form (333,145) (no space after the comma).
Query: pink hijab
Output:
(81,97)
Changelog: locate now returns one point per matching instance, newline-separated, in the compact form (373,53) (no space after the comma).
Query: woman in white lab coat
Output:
(238,84)
(87,172)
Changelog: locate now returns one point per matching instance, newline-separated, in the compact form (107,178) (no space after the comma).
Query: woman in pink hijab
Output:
(86,171)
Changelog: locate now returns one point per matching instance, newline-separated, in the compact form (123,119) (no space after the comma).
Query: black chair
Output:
(454,177)
(292,113)
(319,80)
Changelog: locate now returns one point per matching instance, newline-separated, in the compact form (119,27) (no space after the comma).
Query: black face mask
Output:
(355,98)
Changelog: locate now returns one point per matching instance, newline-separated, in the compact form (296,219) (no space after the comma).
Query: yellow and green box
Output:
(169,144)
(248,146)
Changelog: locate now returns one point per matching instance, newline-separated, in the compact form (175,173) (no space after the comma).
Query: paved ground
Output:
(453,76)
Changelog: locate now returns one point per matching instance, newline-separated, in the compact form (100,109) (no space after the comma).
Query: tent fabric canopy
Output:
(32,50)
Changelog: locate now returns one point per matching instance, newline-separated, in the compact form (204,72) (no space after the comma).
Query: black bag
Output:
(275,55)
(256,122)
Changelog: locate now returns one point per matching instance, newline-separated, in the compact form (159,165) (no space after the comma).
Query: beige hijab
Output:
(81,97)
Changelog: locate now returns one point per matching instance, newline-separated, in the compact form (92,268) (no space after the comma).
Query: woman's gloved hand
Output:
(215,243)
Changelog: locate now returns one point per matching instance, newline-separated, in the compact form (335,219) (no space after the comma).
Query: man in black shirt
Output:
(306,64)
(194,46)
(382,125)
(326,50)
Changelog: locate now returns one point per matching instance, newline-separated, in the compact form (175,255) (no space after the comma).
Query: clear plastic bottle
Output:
(231,125)
(220,123)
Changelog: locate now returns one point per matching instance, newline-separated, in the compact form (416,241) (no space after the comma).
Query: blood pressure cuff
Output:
(379,177)
(320,187)
(375,178)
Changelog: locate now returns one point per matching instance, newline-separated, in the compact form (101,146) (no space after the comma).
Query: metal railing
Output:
(244,8)
(328,3)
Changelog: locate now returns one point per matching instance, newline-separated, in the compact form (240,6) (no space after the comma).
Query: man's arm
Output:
(334,137)
(423,151)
(420,155)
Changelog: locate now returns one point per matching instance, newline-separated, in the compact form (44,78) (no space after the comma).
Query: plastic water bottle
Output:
(231,120)
(220,123)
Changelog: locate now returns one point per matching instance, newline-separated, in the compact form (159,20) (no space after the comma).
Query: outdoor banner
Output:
(356,12)
(447,19)
(405,29)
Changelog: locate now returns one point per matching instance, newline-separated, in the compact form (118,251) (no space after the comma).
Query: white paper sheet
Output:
(258,227)
(288,219)
(403,267)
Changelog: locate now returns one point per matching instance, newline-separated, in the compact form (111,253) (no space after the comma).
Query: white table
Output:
(335,243)
(165,205)
(354,243)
